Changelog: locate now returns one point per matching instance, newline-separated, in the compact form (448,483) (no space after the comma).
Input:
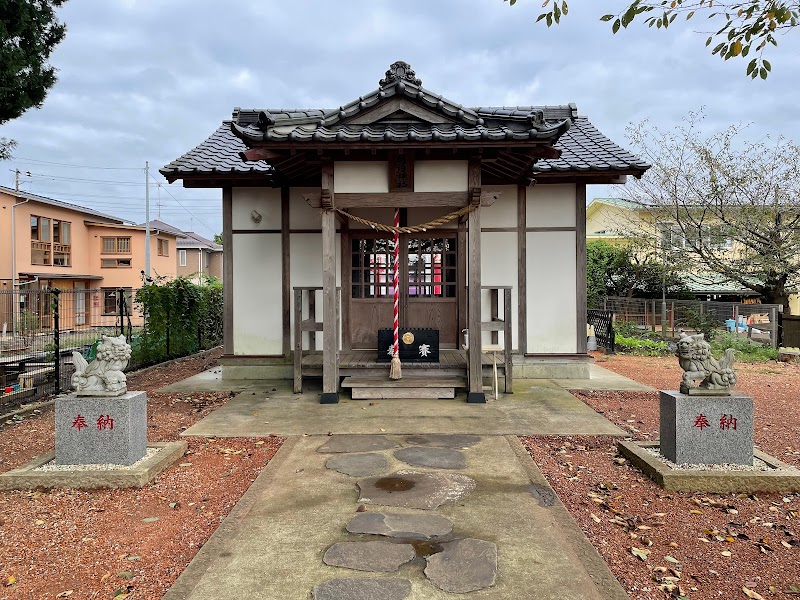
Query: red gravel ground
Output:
(672,545)
(129,543)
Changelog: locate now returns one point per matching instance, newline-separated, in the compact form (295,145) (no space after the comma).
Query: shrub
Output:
(746,350)
(641,346)
(703,323)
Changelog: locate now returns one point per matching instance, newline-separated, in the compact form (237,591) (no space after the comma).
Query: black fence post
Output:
(120,311)
(57,337)
(167,337)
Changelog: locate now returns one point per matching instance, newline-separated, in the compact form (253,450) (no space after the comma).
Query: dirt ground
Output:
(663,545)
(129,543)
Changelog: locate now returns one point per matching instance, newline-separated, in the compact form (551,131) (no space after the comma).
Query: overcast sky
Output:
(146,80)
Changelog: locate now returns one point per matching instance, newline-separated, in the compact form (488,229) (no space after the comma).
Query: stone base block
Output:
(101,430)
(710,430)
(780,478)
(27,477)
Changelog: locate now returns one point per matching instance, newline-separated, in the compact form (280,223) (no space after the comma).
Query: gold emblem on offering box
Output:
(408,338)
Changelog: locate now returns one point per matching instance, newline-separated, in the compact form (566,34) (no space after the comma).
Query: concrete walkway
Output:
(271,545)
(537,407)
(603,379)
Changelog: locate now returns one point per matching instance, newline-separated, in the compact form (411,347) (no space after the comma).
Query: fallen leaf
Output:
(185,465)
(11,581)
(672,560)
(639,553)
(65,594)
(726,553)
(751,594)
(125,575)
(696,512)
(595,518)
(150,520)
(38,522)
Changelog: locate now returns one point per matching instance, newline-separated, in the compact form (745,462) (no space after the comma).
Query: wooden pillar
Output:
(475,389)
(227,270)
(580,265)
(285,273)
(330,336)
(522,271)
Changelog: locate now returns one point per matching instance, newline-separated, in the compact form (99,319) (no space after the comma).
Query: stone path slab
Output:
(356,443)
(603,379)
(358,465)
(412,526)
(463,566)
(407,489)
(434,458)
(271,545)
(442,441)
(363,589)
(374,556)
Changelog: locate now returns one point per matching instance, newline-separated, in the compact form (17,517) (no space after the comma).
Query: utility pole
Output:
(147,220)
(16,179)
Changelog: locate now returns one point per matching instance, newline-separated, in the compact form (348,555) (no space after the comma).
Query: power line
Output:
(80,179)
(187,210)
(60,164)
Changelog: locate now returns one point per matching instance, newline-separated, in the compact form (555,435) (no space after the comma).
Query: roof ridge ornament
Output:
(400,71)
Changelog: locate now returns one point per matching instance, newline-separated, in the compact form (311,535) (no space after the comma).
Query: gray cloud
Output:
(144,80)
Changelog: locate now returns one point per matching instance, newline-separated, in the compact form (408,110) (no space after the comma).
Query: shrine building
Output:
(492,222)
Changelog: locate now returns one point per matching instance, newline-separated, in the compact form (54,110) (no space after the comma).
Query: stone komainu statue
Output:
(694,357)
(104,376)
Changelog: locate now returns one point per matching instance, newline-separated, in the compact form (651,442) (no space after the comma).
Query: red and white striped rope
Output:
(396,347)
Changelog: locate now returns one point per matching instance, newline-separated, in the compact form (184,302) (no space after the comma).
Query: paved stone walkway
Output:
(437,517)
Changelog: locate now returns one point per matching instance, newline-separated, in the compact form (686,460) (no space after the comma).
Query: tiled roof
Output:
(194,240)
(59,203)
(583,147)
(620,202)
(714,283)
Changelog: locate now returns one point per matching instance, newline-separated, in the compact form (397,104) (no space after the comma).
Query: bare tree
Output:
(721,203)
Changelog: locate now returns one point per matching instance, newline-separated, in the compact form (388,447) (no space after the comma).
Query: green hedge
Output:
(640,346)
(180,318)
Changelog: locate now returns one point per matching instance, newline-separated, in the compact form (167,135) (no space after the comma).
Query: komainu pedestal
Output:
(710,430)
(97,430)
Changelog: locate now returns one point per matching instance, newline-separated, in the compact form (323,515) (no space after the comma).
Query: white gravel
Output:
(51,466)
(758,464)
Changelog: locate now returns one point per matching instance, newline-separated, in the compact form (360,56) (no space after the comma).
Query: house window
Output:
(110,302)
(116,245)
(41,248)
(182,258)
(115,263)
(163,247)
(62,249)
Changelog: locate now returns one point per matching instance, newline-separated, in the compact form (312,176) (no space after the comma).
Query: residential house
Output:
(197,257)
(614,220)
(490,204)
(47,243)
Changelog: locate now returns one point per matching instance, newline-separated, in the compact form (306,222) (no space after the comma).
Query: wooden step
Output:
(382,388)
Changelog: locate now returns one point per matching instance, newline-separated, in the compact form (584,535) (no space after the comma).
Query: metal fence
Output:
(603,323)
(758,322)
(40,329)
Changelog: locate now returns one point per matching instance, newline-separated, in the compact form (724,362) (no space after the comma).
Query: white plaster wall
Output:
(306,271)
(377,215)
(503,213)
(551,205)
(301,215)
(257,324)
(440,176)
(552,324)
(267,201)
(360,176)
(418,216)
(499,267)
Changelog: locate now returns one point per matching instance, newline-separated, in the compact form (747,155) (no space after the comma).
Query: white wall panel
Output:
(552,321)
(418,216)
(301,215)
(257,322)
(440,175)
(377,215)
(360,176)
(551,205)
(503,213)
(499,267)
(266,201)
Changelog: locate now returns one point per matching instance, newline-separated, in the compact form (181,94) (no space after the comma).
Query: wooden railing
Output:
(306,297)
(495,325)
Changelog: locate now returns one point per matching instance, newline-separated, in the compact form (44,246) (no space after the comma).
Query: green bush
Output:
(640,346)
(703,323)
(180,318)
(746,350)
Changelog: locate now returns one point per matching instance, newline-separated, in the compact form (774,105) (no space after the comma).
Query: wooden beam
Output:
(253,154)
(285,273)
(401,199)
(522,269)
(347,287)
(227,269)
(330,349)
(580,264)
(475,389)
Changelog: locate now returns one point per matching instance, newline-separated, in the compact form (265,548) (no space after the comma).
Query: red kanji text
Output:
(727,422)
(105,422)
(79,423)
(701,422)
